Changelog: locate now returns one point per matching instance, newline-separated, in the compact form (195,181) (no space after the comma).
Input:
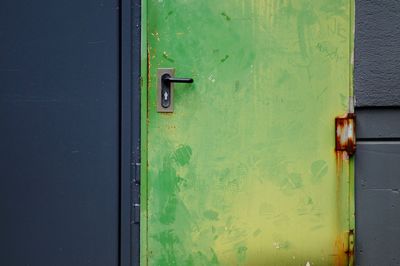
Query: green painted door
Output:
(244,171)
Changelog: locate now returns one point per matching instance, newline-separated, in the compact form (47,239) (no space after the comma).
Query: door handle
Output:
(167,78)
(165,90)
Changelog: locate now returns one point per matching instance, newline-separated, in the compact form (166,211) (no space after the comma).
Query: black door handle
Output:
(169,79)
(166,94)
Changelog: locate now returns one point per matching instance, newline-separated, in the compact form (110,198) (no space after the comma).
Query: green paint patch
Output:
(168,240)
(201,258)
(167,215)
(319,169)
(283,77)
(183,154)
(168,185)
(169,14)
(237,85)
(211,215)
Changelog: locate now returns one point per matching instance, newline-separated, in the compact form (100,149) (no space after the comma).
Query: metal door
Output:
(66,93)
(244,170)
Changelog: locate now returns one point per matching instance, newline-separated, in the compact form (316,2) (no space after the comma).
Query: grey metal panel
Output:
(130,18)
(377,53)
(377,169)
(378,123)
(60,132)
(136,108)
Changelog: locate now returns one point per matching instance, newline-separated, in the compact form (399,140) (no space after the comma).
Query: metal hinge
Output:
(346,134)
(136,194)
(136,213)
(136,177)
(350,251)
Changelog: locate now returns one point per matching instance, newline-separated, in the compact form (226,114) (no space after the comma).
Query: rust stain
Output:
(344,247)
(148,86)
(340,243)
(148,68)
(350,250)
(345,146)
(345,134)
(341,258)
(340,156)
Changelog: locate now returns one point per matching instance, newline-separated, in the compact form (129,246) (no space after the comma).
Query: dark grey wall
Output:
(378,187)
(377,53)
(377,162)
(67,124)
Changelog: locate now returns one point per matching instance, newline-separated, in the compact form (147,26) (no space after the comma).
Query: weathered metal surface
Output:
(377,53)
(378,201)
(245,172)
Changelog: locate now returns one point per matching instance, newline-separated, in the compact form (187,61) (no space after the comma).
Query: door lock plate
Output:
(165,94)
(165,89)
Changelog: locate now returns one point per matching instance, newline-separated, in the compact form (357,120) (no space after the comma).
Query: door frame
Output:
(129,126)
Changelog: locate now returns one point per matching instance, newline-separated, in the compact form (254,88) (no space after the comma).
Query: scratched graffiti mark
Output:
(319,169)
(257,232)
(228,18)
(306,206)
(331,53)
(237,85)
(166,56)
(224,59)
(169,14)
(211,215)
(156,35)
(344,100)
(292,182)
(266,210)
(241,252)
(281,245)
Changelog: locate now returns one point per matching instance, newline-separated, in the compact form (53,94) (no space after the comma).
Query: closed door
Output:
(241,164)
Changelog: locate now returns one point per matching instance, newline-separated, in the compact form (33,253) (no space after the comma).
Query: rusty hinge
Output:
(350,251)
(346,134)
